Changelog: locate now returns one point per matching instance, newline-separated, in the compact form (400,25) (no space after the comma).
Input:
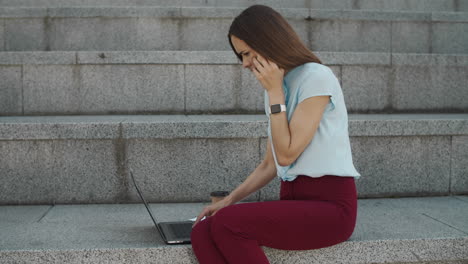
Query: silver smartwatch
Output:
(277,108)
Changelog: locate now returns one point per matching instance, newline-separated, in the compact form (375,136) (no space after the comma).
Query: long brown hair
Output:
(269,34)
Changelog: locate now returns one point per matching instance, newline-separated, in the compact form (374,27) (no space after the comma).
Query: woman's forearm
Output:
(280,133)
(261,176)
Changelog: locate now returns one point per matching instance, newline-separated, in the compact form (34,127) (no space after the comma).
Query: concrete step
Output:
(404,230)
(205,28)
(398,5)
(195,82)
(85,159)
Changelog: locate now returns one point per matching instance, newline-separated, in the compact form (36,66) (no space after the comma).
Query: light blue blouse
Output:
(329,152)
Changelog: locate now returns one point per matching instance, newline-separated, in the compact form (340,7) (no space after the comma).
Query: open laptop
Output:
(172,232)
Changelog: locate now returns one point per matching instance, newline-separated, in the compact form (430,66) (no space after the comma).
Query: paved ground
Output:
(128,226)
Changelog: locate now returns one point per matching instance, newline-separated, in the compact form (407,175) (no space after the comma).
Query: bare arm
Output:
(291,139)
(261,176)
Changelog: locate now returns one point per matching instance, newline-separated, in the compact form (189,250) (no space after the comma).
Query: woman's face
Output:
(247,53)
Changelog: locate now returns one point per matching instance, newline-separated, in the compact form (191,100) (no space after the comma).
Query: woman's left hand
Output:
(269,74)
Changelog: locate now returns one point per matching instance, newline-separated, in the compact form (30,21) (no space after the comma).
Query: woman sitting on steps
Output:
(308,148)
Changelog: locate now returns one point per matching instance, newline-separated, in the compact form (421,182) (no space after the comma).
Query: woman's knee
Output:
(225,224)
(201,231)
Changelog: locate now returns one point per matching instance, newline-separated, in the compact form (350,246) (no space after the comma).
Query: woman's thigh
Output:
(289,224)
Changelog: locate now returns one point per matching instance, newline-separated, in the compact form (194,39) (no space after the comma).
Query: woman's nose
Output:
(245,63)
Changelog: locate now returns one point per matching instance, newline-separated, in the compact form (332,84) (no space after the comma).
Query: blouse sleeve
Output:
(318,82)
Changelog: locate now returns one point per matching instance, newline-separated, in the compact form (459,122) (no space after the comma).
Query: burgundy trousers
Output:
(312,213)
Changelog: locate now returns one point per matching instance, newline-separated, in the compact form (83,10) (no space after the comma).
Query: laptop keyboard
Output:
(182,230)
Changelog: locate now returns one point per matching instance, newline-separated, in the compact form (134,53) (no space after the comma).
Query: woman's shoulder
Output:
(313,71)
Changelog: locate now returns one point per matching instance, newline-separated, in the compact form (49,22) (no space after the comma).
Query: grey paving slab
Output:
(366,88)
(406,124)
(154,33)
(223,57)
(442,88)
(58,127)
(459,177)
(212,12)
(331,4)
(402,160)
(25,34)
(197,126)
(130,213)
(208,32)
(450,16)
(130,89)
(215,126)
(47,171)
(91,226)
(22,12)
(2,35)
(354,58)
(337,35)
(204,34)
(128,11)
(50,89)
(11,97)
(204,28)
(462,6)
(123,233)
(37,57)
(49,155)
(93,235)
(109,11)
(456,32)
(461,197)
(157,57)
(217,57)
(368,15)
(22,214)
(404,5)
(251,95)
(450,211)
(423,60)
(272,3)
(74,34)
(425,5)
(411,37)
(212,88)
(410,218)
(201,166)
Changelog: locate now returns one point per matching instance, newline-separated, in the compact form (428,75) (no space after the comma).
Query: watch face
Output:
(275,108)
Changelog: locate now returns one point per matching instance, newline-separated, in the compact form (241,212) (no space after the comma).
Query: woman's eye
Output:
(246,54)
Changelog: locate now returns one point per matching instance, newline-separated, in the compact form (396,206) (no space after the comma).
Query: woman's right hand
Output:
(211,210)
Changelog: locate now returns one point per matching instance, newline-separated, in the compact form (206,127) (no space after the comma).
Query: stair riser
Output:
(206,29)
(187,170)
(187,83)
(402,5)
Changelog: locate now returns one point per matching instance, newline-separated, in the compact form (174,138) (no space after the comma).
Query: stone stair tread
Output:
(219,57)
(390,229)
(227,12)
(213,126)
(417,5)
